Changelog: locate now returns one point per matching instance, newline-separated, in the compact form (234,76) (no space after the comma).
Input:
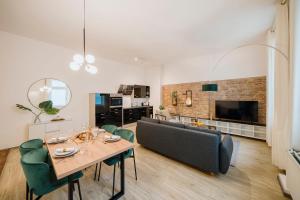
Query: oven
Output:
(115,100)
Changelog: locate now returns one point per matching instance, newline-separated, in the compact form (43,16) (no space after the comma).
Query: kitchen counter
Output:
(136,107)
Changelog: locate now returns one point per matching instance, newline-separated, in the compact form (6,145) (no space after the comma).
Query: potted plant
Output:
(44,107)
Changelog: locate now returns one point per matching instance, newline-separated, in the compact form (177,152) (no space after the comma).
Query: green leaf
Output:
(51,111)
(46,105)
(21,107)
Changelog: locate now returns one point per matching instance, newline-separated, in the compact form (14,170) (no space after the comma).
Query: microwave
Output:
(115,100)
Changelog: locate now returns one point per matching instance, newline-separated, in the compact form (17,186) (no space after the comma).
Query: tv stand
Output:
(241,129)
(256,131)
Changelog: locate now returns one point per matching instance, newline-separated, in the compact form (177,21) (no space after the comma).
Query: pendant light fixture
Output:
(85,60)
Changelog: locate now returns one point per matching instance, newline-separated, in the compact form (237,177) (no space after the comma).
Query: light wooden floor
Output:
(161,178)
(3,156)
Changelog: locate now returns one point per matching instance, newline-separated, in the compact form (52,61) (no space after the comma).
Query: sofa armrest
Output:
(226,149)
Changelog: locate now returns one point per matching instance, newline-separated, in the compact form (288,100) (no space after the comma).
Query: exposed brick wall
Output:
(246,89)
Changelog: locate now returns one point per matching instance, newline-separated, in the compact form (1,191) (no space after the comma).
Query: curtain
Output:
(270,86)
(278,130)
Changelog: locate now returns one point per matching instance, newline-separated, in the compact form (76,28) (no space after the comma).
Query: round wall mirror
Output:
(49,89)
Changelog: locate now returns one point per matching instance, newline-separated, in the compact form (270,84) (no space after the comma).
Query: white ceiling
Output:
(158,31)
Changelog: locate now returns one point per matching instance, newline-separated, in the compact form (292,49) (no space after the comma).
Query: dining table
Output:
(90,152)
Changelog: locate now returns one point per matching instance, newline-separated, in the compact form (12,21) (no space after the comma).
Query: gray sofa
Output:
(198,147)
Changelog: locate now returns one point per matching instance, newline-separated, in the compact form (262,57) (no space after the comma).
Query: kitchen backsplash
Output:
(129,101)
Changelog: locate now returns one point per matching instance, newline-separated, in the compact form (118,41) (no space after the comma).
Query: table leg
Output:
(122,180)
(70,190)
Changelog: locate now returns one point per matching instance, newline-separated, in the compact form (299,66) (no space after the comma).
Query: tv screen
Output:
(245,111)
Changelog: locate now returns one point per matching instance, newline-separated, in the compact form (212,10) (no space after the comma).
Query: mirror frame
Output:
(71,95)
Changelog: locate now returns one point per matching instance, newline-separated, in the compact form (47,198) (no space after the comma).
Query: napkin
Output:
(112,137)
(62,150)
(57,139)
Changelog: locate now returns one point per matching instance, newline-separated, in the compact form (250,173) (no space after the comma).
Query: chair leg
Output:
(31,195)
(39,197)
(113,190)
(27,190)
(95,175)
(79,191)
(134,164)
(99,171)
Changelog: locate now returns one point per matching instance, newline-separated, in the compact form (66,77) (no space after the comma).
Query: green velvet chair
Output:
(129,136)
(41,177)
(30,145)
(109,128)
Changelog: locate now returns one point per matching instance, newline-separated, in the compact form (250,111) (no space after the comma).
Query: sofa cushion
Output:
(226,149)
(147,119)
(178,125)
(202,129)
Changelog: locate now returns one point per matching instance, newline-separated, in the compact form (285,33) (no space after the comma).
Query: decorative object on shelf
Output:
(57,92)
(161,109)
(44,107)
(188,98)
(85,60)
(174,98)
(210,87)
(198,124)
(58,118)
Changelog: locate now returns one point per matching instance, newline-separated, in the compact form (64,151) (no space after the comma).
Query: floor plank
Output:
(161,178)
(3,157)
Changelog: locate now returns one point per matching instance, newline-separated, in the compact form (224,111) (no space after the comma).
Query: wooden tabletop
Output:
(90,153)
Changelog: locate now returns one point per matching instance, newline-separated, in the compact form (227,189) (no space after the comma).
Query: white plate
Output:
(70,153)
(61,151)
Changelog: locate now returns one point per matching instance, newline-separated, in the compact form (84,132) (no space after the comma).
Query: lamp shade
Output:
(209,87)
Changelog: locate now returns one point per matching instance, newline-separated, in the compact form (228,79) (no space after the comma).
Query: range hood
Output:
(126,89)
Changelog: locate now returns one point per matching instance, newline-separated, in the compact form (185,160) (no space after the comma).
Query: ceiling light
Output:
(91,69)
(78,58)
(83,60)
(75,66)
(90,58)
(136,59)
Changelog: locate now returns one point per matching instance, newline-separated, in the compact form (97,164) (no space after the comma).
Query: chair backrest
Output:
(36,170)
(109,128)
(30,145)
(126,134)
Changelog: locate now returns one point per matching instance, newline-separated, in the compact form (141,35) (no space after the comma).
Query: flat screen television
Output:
(244,111)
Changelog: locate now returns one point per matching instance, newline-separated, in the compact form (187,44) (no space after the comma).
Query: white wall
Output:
(23,61)
(241,63)
(295,71)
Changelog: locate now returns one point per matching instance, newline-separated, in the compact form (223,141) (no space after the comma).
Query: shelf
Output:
(256,131)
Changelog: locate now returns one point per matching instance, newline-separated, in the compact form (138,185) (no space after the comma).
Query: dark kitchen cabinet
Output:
(141,91)
(128,116)
(132,115)
(113,116)
(101,119)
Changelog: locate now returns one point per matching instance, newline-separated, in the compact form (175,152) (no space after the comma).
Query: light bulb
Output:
(78,58)
(45,89)
(91,69)
(74,66)
(90,58)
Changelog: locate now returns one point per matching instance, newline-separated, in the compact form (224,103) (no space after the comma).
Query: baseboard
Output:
(282,182)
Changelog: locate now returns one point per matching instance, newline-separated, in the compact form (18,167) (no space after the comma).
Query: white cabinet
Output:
(40,130)
(252,131)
